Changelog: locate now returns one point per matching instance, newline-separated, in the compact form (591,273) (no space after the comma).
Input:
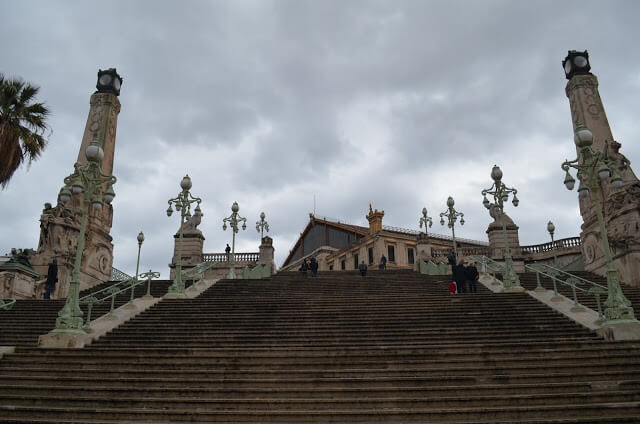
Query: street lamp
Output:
(551,228)
(132,305)
(262,225)
(182,204)
(233,221)
(500,193)
(452,216)
(593,169)
(140,240)
(424,220)
(95,187)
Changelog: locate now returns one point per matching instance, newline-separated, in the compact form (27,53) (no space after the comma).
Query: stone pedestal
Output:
(267,251)
(192,245)
(496,236)
(18,279)
(423,250)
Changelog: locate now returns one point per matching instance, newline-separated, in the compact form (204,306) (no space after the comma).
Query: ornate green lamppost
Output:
(424,220)
(182,204)
(233,221)
(593,169)
(262,225)
(551,229)
(140,240)
(95,187)
(500,193)
(452,216)
(131,305)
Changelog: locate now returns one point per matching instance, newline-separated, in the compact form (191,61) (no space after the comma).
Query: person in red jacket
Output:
(452,287)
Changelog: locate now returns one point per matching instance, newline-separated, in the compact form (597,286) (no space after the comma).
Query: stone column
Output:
(621,208)
(60,225)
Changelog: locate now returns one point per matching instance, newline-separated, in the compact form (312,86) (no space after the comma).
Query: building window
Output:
(355,261)
(410,255)
(330,267)
(370,255)
(343,265)
(391,252)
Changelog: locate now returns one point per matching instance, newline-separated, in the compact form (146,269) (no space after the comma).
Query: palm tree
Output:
(22,126)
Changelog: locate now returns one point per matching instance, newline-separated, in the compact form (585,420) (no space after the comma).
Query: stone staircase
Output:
(391,347)
(28,319)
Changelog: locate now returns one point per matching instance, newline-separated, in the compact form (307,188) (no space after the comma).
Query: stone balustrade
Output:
(224,257)
(565,243)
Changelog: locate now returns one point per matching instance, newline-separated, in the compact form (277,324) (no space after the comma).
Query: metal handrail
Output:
(198,271)
(556,275)
(117,275)
(110,293)
(7,303)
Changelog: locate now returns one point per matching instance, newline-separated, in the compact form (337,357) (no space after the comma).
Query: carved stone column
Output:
(60,225)
(620,207)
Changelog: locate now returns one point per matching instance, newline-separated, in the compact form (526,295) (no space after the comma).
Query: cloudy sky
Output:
(270,103)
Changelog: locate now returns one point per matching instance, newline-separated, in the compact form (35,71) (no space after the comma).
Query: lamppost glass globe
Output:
(262,215)
(550,227)
(583,136)
(235,207)
(169,211)
(515,201)
(140,237)
(185,184)
(94,152)
(450,202)
(109,195)
(569,181)
(496,173)
(616,183)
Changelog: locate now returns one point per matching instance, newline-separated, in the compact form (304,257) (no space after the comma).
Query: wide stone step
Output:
(595,410)
(116,389)
(317,404)
(454,369)
(388,361)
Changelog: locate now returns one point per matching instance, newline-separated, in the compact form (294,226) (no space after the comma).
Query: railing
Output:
(226,257)
(551,246)
(557,276)
(462,251)
(7,304)
(110,293)
(117,275)
(197,271)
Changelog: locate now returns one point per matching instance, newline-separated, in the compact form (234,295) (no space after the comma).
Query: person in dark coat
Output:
(363,269)
(451,257)
(304,268)
(460,276)
(52,279)
(227,250)
(383,262)
(313,265)
(472,277)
